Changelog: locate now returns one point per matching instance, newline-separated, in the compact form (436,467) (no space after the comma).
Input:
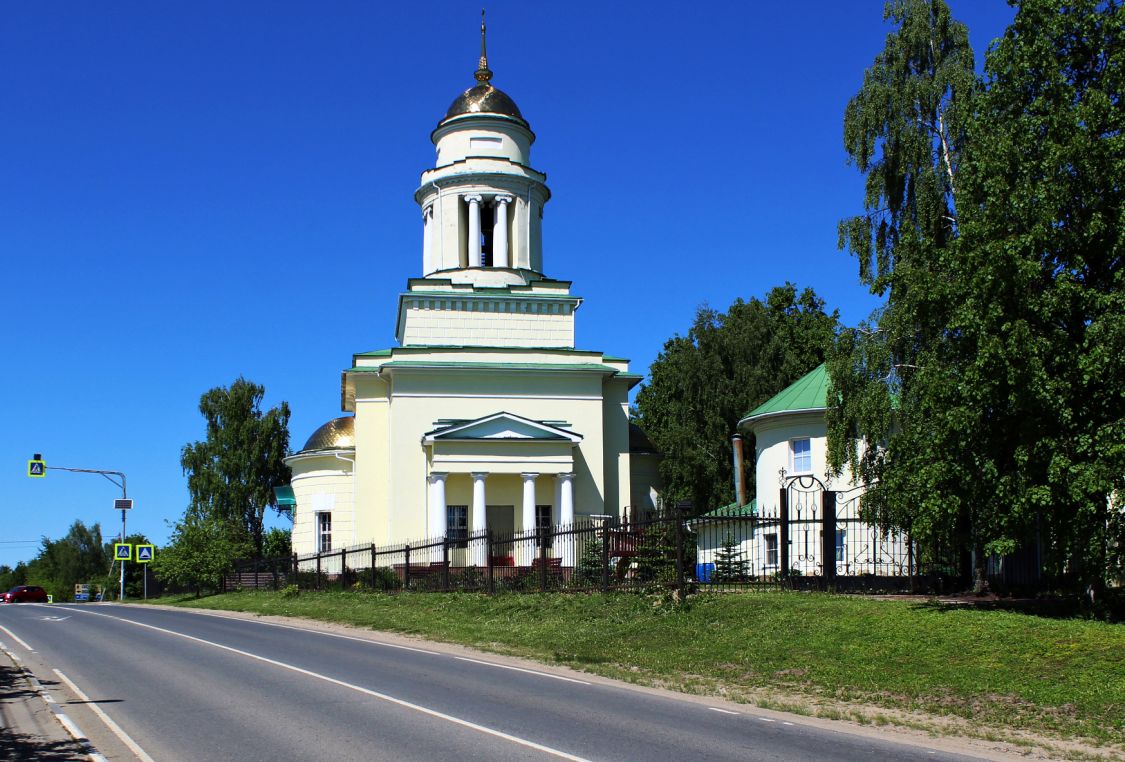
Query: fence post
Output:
(257,563)
(783,536)
(371,571)
(542,562)
(406,568)
(343,568)
(318,570)
(605,556)
(488,561)
(910,562)
(828,540)
(296,579)
(679,515)
(445,563)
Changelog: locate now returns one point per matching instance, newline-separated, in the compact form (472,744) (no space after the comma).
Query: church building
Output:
(486,415)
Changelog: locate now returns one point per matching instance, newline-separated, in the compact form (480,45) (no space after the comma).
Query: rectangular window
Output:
(543,524)
(323,532)
(457,525)
(841,537)
(771,550)
(485,144)
(800,455)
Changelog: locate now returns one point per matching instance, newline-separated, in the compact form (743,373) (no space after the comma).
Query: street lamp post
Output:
(124,497)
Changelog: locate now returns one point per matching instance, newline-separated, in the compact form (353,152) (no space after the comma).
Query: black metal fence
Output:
(808,540)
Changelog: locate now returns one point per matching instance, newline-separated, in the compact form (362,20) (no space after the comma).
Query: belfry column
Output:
(528,517)
(474,230)
(566,513)
(500,257)
(428,240)
(480,520)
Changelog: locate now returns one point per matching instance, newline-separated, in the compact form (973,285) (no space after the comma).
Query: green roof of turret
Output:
(809,392)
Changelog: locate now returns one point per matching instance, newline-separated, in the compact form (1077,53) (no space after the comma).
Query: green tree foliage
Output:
(730,563)
(701,384)
(12,576)
(199,553)
(1041,326)
(79,557)
(277,542)
(905,130)
(232,473)
(987,392)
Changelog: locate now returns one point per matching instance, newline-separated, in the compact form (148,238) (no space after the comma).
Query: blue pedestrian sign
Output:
(122,551)
(144,553)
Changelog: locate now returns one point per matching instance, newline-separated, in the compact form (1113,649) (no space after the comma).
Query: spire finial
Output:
(483,73)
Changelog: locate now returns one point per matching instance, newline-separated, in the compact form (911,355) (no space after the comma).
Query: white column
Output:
(500,256)
(566,513)
(480,520)
(428,240)
(437,523)
(474,230)
(528,549)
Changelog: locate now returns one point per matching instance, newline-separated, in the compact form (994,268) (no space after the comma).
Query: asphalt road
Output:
(186,685)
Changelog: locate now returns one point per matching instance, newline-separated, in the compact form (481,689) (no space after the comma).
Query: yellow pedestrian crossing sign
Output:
(144,553)
(122,551)
(36,468)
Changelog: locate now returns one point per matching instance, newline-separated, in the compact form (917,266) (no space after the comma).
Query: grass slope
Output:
(1063,678)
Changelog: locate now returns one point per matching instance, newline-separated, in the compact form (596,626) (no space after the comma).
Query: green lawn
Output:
(1059,677)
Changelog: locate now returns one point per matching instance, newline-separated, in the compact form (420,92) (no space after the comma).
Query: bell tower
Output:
(482,203)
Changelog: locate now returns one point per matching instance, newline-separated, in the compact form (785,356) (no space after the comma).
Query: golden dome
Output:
(483,98)
(337,434)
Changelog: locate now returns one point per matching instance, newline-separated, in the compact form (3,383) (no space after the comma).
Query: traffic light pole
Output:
(124,496)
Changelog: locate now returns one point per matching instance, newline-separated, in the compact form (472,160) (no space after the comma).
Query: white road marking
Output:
(358,688)
(117,731)
(724,711)
(766,719)
(521,669)
(53,618)
(68,724)
(783,722)
(16,638)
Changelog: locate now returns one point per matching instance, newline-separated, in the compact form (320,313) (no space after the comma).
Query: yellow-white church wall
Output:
(615,425)
(503,324)
(772,438)
(372,437)
(323,483)
(420,399)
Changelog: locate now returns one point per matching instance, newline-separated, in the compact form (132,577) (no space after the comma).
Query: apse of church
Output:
(486,415)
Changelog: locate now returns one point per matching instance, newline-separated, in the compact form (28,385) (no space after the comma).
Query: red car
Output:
(25,593)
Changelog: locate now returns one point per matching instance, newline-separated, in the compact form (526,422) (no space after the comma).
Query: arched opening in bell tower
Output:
(487,234)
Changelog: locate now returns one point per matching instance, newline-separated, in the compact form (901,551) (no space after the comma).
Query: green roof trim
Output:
(809,392)
(589,367)
(375,353)
(285,497)
(733,511)
(611,358)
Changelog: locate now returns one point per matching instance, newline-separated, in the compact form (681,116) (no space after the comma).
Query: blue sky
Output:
(193,191)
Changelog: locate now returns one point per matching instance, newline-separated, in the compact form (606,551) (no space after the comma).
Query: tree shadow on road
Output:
(15,745)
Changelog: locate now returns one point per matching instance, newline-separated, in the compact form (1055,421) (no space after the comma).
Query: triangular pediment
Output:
(501,427)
